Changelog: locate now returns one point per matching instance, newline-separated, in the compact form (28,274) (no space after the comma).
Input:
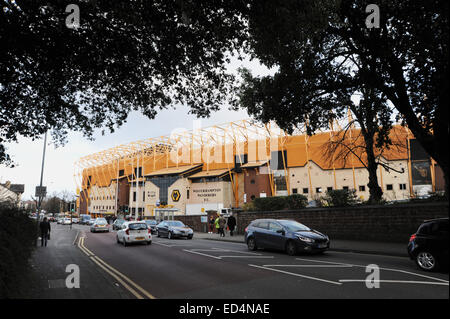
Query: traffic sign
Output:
(41,191)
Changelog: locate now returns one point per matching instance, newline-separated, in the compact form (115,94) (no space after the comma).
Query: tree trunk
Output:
(375,191)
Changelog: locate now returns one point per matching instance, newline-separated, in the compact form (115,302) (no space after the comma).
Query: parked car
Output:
(75,220)
(152,224)
(60,220)
(288,235)
(134,232)
(118,224)
(174,229)
(99,225)
(428,247)
(66,221)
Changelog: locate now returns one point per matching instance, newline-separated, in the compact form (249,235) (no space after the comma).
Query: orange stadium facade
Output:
(225,166)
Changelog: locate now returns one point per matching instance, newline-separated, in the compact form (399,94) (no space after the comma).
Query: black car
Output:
(428,247)
(287,235)
(174,229)
(152,224)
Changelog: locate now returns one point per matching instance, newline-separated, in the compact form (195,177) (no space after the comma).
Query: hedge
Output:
(18,235)
(295,201)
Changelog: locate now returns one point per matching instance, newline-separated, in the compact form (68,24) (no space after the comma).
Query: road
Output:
(196,268)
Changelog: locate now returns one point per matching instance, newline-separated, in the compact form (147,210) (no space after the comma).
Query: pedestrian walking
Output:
(45,231)
(211,225)
(222,224)
(231,223)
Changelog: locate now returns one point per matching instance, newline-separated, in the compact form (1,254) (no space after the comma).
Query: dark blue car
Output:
(287,235)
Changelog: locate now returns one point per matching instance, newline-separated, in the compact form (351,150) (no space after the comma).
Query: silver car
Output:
(134,232)
(100,225)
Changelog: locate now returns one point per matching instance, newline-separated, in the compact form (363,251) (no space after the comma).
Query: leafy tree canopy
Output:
(125,55)
(324,52)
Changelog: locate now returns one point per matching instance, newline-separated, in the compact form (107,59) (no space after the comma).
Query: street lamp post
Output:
(40,184)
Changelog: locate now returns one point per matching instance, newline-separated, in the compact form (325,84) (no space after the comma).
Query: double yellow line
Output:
(130,285)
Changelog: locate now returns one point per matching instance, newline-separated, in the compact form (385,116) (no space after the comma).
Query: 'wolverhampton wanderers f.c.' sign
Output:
(176,195)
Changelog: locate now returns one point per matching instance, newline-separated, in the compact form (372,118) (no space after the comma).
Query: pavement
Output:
(49,275)
(356,246)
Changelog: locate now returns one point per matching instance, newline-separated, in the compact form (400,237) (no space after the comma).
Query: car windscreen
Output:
(151,222)
(293,225)
(100,221)
(175,224)
(138,226)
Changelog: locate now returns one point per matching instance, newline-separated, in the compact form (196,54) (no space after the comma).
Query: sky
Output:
(59,162)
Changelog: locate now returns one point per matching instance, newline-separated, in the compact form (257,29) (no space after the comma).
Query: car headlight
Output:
(305,239)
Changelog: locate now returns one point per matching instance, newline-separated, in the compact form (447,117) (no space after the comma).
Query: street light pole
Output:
(40,184)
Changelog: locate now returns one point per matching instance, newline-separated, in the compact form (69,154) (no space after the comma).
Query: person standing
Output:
(231,223)
(211,225)
(216,222)
(222,224)
(45,231)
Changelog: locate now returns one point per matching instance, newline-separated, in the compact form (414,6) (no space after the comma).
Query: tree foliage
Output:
(323,53)
(125,55)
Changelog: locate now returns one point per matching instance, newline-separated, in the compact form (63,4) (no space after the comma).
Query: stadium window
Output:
(402,186)
(305,190)
(345,188)
(318,189)
(329,189)
(187,194)
(294,191)
(252,181)
(134,196)
(362,188)
(143,196)
(389,187)
(252,197)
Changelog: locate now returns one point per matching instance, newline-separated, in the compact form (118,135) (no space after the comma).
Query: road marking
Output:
(124,284)
(397,281)
(81,239)
(195,252)
(325,262)
(388,269)
(298,275)
(142,290)
(246,256)
(316,266)
(82,244)
(76,236)
(112,271)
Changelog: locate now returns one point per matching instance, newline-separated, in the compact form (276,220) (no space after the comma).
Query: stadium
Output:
(223,167)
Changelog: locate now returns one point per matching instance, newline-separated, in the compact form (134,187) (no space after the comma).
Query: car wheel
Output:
(157,234)
(291,250)
(190,237)
(426,261)
(124,243)
(169,235)
(251,244)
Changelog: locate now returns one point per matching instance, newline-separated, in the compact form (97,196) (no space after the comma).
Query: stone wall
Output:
(378,223)
(393,223)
